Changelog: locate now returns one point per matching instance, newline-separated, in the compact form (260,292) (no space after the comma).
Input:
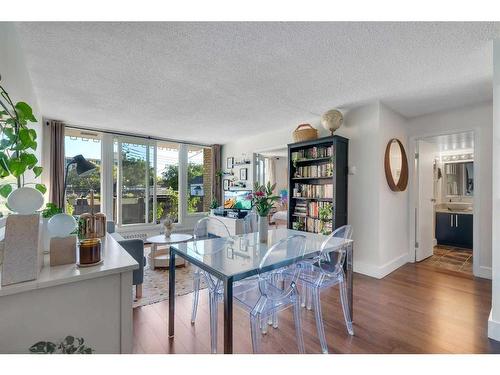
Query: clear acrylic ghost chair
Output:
(207,228)
(325,271)
(251,225)
(263,297)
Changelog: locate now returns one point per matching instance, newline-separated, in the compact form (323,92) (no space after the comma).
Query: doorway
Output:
(444,206)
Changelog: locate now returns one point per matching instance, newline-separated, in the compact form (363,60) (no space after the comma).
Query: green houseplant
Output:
(325,216)
(262,202)
(70,345)
(17,144)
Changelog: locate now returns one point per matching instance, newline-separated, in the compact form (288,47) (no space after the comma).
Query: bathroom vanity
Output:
(454,228)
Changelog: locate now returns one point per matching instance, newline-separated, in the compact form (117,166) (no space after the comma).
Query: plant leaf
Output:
(5,190)
(29,159)
(17,167)
(41,188)
(37,171)
(25,112)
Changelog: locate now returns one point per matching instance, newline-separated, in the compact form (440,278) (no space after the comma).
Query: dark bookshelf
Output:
(325,181)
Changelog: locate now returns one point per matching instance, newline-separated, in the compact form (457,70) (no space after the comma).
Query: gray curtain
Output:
(216,167)
(57,161)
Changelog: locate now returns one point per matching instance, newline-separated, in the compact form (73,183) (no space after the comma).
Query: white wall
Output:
(479,119)
(16,79)
(361,126)
(494,319)
(281,173)
(393,214)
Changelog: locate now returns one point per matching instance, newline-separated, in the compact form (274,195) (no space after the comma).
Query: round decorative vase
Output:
(61,225)
(332,120)
(263,228)
(25,200)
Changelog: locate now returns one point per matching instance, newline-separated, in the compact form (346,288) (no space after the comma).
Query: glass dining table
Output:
(239,259)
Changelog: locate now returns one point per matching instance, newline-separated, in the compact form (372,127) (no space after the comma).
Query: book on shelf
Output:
(309,209)
(315,152)
(313,191)
(318,170)
(312,225)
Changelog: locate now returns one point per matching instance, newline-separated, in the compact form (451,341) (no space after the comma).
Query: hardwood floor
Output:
(412,310)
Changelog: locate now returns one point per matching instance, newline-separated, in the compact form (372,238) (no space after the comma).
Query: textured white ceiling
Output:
(211,82)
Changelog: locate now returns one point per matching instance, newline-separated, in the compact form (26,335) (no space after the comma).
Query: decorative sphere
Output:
(25,200)
(332,120)
(61,225)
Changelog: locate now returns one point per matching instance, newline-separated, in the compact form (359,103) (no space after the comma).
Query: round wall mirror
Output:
(396,165)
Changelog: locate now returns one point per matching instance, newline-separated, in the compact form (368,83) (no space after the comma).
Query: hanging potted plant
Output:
(262,201)
(17,144)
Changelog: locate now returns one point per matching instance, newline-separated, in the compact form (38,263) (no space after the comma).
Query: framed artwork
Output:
(226,184)
(243,174)
(230,163)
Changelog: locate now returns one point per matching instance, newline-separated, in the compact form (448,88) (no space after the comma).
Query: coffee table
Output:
(160,257)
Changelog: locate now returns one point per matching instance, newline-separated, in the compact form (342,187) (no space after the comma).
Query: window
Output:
(167,180)
(145,177)
(88,144)
(199,186)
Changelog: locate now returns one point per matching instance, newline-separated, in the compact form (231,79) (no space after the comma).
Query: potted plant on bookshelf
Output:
(325,217)
(262,201)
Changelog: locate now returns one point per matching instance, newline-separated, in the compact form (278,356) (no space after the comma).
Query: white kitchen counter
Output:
(94,303)
(116,260)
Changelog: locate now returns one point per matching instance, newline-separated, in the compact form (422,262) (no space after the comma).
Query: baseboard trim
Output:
(493,328)
(484,272)
(380,272)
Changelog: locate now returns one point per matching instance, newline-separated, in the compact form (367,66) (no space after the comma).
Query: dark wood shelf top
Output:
(313,199)
(312,178)
(313,159)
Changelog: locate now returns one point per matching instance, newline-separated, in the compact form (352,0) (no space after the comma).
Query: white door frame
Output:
(413,194)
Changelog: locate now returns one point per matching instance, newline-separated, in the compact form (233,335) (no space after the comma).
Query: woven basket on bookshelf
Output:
(304,132)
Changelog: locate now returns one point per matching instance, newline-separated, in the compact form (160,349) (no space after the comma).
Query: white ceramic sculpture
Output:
(25,200)
(332,120)
(61,225)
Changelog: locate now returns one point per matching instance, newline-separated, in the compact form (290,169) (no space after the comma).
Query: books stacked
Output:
(312,225)
(313,153)
(314,191)
(319,170)
(301,209)
(313,208)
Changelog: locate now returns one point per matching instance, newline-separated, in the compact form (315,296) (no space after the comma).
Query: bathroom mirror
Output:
(459,178)
(396,165)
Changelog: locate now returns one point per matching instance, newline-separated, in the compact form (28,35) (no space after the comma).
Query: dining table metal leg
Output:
(228,316)
(349,275)
(171,293)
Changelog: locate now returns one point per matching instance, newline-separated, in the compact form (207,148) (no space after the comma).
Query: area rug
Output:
(155,285)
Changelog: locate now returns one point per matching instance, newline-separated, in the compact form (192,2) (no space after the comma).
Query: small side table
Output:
(160,257)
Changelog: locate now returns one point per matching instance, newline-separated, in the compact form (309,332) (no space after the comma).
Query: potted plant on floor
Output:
(262,201)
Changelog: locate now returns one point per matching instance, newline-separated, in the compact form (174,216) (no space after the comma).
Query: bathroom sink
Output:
(459,206)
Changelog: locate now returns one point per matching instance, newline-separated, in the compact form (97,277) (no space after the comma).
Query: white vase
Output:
(45,235)
(168,232)
(25,200)
(263,228)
